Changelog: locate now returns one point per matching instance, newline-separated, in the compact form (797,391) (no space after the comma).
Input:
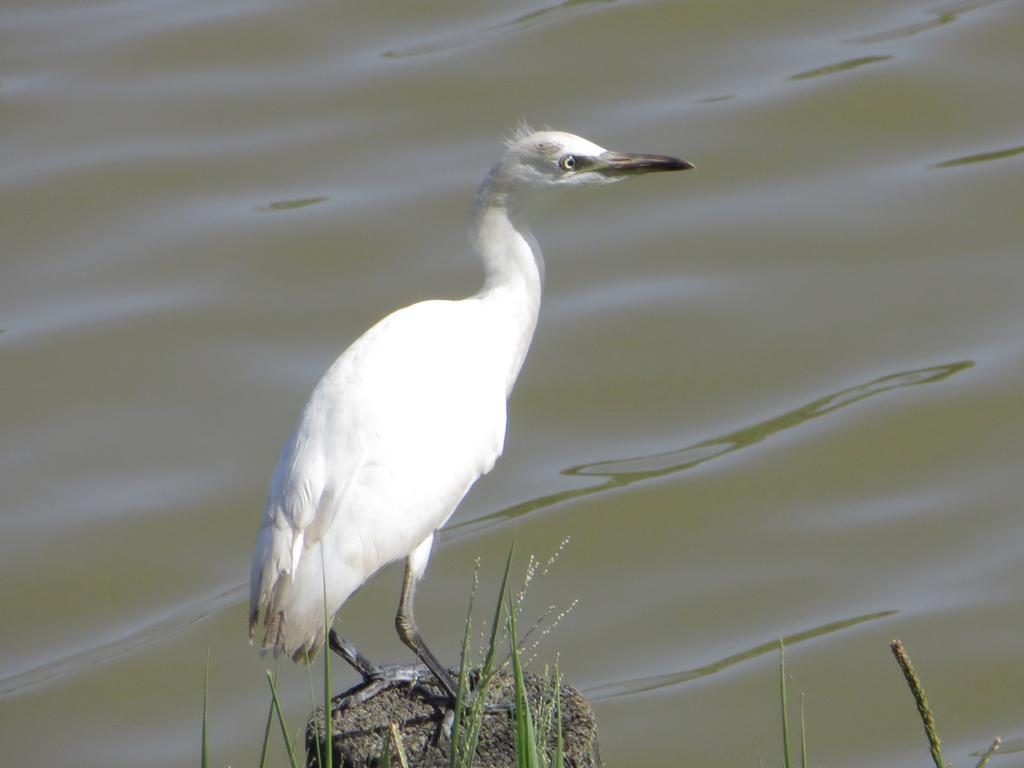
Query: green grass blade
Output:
(206,688)
(487,669)
(502,592)
(328,757)
(280,719)
(266,730)
(463,690)
(803,734)
(785,711)
(526,737)
(384,761)
(559,759)
(312,704)
(475,719)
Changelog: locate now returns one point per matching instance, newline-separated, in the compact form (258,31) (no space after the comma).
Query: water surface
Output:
(776,397)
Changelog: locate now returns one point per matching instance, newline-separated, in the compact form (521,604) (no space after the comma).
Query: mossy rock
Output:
(423,719)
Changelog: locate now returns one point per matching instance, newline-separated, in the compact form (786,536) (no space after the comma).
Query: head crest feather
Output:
(520,132)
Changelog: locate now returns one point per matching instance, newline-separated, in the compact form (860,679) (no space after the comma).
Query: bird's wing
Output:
(391,439)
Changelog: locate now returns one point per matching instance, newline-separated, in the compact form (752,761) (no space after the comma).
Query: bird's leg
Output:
(405,623)
(376,673)
(376,678)
(351,654)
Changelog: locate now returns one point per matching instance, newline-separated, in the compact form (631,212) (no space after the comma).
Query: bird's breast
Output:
(425,385)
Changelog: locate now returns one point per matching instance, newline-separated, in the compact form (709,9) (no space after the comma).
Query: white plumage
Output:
(410,415)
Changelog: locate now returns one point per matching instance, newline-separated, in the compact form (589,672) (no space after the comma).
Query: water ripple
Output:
(943,16)
(518,24)
(289,205)
(842,66)
(631,686)
(619,473)
(981,157)
(171,624)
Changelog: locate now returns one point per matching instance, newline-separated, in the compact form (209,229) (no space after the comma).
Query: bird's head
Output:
(557,160)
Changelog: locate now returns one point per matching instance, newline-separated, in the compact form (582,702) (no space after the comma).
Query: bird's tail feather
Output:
(274,639)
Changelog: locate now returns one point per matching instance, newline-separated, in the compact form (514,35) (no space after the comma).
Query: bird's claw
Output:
(379,677)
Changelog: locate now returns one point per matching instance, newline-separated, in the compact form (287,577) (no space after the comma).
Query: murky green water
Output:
(777,396)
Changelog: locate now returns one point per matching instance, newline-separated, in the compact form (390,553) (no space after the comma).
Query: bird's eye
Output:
(567,163)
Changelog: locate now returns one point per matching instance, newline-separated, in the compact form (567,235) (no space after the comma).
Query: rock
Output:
(423,719)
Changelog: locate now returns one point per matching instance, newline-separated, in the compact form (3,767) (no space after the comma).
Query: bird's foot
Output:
(380,677)
(352,655)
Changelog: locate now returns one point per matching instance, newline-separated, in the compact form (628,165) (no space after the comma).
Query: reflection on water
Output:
(641,684)
(623,472)
(136,358)
(842,66)
(169,625)
(981,157)
(943,16)
(289,205)
(517,24)
(618,473)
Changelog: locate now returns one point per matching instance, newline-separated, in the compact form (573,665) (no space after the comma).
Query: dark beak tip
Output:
(665,163)
(678,164)
(628,163)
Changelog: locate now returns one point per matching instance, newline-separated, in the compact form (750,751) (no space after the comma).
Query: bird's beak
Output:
(633,164)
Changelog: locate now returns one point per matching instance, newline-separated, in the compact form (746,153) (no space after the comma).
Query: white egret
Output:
(410,415)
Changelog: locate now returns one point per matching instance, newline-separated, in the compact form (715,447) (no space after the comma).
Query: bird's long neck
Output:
(513,267)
